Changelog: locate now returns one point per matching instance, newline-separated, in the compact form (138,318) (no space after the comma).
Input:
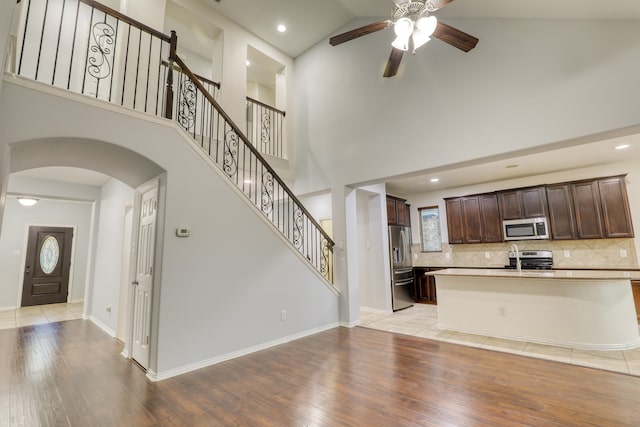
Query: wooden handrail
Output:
(126,19)
(248,144)
(204,79)
(262,104)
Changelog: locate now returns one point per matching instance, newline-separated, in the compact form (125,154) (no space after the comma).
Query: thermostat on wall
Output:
(183,232)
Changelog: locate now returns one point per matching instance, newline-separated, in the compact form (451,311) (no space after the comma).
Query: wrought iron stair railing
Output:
(88,48)
(265,128)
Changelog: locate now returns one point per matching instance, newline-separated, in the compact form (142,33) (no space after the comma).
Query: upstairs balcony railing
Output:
(88,48)
(265,128)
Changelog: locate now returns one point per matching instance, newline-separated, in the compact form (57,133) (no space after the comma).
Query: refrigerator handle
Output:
(402,248)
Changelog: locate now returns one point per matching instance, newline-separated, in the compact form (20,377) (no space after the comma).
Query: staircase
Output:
(85,47)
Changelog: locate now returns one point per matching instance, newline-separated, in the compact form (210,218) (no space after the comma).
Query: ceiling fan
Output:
(413,26)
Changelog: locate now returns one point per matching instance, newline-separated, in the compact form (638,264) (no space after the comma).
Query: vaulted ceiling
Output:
(311,21)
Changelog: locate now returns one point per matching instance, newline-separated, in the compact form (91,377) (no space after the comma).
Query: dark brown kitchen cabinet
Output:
(491,226)
(523,203)
(616,215)
(586,202)
(463,220)
(425,285)
(562,219)
(398,212)
(635,288)
(474,219)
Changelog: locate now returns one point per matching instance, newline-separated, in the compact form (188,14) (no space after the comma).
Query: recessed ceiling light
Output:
(622,147)
(511,166)
(435,179)
(282,28)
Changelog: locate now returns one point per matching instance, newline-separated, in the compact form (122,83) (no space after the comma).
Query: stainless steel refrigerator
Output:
(402,287)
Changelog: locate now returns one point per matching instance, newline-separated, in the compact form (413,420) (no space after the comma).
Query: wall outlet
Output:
(283,315)
(623,253)
(108,309)
(487,255)
(567,254)
(415,256)
(502,311)
(447,255)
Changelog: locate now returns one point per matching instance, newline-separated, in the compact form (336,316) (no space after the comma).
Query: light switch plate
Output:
(567,254)
(623,253)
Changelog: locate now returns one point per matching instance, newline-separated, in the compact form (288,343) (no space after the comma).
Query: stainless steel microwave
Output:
(525,229)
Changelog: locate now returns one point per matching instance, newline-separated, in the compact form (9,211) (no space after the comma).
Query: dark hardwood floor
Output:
(71,373)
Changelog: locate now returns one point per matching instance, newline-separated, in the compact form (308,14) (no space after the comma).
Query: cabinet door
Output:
(615,207)
(562,218)
(403,215)
(635,288)
(534,202)
(471,218)
(454,221)
(425,286)
(392,216)
(511,204)
(586,203)
(490,218)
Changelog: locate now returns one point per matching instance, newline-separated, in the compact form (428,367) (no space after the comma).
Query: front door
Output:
(144,277)
(47,264)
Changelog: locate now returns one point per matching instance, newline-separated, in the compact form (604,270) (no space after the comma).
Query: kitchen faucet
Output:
(514,248)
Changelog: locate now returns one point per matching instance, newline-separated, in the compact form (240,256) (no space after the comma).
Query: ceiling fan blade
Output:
(359,32)
(439,4)
(393,63)
(455,37)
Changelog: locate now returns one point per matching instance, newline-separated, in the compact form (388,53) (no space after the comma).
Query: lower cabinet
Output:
(425,285)
(635,287)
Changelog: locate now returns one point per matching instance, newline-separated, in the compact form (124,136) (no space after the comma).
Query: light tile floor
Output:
(26,316)
(421,320)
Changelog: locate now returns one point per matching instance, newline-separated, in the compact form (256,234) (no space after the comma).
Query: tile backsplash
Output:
(594,253)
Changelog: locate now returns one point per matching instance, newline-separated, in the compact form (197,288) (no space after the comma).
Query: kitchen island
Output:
(572,308)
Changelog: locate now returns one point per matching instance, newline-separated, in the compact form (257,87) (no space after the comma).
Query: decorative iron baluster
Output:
(99,66)
(187,108)
(298,227)
(266,201)
(325,258)
(230,157)
(265,134)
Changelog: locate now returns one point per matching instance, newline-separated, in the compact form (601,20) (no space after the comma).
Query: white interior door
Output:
(144,277)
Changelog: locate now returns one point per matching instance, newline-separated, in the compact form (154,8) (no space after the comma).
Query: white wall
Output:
(221,290)
(114,198)
(526,84)
(18,218)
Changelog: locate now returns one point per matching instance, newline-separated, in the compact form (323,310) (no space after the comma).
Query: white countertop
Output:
(541,274)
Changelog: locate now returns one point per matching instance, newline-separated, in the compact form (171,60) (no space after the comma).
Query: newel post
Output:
(168,106)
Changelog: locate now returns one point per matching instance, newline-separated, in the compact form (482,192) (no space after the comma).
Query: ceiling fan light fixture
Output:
(427,25)
(403,29)
(419,38)
(401,43)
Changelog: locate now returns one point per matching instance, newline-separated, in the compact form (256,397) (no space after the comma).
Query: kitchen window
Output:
(430,229)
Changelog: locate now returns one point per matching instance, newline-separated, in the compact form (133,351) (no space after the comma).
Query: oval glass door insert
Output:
(49,254)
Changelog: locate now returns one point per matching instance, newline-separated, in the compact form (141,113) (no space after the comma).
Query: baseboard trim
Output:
(163,375)
(8,308)
(101,325)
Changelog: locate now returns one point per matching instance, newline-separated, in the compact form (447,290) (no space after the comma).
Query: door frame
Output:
(160,184)
(23,261)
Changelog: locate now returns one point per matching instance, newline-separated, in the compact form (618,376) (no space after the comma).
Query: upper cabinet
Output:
(398,212)
(473,219)
(587,209)
(562,218)
(523,203)
(590,209)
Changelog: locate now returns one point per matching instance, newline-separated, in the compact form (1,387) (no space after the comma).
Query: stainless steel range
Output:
(531,260)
